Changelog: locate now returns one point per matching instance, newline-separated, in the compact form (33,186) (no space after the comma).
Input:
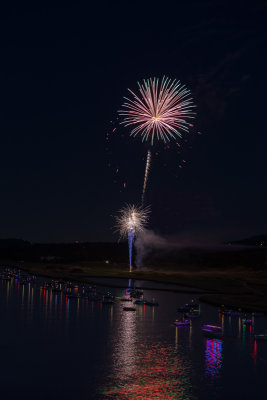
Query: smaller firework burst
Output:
(131,218)
(131,221)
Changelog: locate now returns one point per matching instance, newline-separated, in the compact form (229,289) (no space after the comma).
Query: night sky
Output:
(64,72)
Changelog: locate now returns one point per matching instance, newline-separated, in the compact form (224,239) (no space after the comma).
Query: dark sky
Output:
(64,71)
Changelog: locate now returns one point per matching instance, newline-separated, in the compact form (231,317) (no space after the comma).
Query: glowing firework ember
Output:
(161,111)
(129,223)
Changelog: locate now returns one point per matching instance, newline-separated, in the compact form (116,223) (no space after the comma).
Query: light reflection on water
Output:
(214,358)
(144,356)
(149,372)
(141,370)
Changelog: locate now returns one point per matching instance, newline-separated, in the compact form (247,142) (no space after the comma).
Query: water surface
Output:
(56,348)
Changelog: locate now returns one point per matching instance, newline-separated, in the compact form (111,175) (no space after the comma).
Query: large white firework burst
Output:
(162,110)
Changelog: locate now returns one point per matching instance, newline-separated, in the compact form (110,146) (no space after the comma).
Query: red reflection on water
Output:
(146,371)
(254,351)
(156,375)
(213,354)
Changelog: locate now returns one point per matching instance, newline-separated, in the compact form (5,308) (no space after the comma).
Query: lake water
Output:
(54,348)
(144,284)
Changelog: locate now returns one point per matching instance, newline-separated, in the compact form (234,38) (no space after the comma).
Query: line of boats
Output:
(22,278)
(134,297)
(238,313)
(75,291)
(137,297)
(186,313)
(192,310)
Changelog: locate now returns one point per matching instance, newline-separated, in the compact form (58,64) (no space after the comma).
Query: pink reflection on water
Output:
(143,370)
(213,355)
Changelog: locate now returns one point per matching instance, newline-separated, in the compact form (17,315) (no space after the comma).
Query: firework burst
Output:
(161,111)
(131,218)
(131,221)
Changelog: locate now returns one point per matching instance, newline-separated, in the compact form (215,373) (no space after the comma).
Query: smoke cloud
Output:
(146,242)
(149,242)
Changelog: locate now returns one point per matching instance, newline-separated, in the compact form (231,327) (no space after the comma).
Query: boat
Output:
(41,287)
(108,296)
(146,302)
(247,321)
(232,313)
(185,322)
(142,302)
(6,278)
(261,336)
(212,330)
(129,309)
(189,307)
(31,279)
(135,293)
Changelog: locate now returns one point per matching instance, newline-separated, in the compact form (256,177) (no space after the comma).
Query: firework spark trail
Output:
(129,223)
(148,164)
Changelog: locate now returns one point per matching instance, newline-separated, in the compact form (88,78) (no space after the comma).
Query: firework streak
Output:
(130,244)
(148,164)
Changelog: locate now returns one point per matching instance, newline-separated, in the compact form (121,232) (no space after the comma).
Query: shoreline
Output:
(91,280)
(214,287)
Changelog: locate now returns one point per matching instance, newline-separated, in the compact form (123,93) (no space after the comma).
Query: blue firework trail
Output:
(130,243)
